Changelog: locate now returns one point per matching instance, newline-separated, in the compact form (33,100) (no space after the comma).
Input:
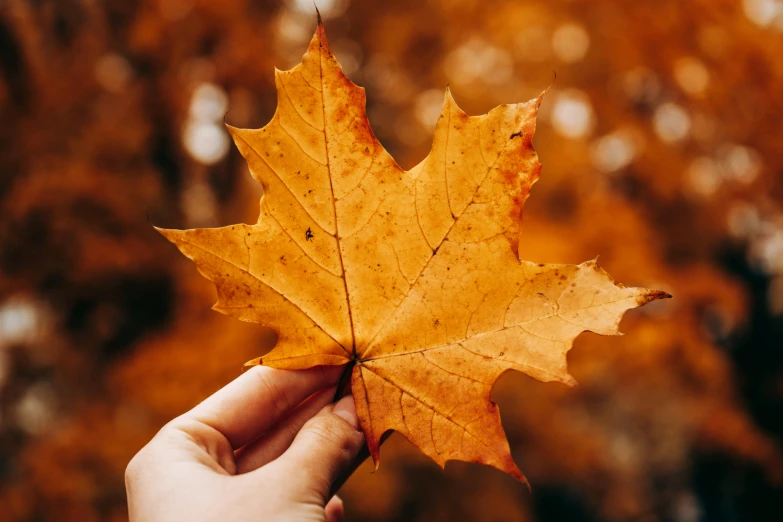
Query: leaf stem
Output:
(343,389)
(343,386)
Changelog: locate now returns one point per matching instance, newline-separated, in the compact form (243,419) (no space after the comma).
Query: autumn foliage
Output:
(413,279)
(660,145)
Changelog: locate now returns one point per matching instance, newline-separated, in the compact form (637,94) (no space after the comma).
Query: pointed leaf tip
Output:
(654,295)
(258,361)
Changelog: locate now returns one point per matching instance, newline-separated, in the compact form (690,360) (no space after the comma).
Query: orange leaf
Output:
(414,277)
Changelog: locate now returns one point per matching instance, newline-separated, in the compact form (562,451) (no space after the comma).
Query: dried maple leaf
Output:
(412,277)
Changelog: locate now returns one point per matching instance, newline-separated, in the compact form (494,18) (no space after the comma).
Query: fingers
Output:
(326,445)
(334,510)
(254,401)
(273,443)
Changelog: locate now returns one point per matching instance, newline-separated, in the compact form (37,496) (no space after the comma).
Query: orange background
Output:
(661,147)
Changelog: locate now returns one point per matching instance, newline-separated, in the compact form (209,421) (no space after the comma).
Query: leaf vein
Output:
(267,285)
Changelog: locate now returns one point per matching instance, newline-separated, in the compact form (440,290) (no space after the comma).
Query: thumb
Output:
(325,446)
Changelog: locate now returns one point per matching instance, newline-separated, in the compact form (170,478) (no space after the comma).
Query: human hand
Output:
(266,447)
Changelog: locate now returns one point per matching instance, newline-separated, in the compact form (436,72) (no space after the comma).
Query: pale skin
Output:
(269,446)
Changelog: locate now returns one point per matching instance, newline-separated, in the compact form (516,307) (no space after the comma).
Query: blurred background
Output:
(661,151)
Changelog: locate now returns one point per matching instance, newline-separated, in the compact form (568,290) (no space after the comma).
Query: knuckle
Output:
(173,432)
(177,426)
(133,468)
(278,398)
(331,431)
(292,430)
(147,455)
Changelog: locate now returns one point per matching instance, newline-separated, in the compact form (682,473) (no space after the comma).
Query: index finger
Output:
(250,404)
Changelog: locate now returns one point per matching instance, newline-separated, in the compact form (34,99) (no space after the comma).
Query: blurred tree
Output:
(660,151)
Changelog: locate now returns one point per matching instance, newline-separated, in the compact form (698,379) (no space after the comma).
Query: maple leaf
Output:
(413,278)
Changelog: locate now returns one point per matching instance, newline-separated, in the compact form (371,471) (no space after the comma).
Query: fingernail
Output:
(346,409)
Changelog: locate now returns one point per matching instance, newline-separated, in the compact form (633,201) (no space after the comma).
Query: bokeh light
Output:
(763,12)
(692,75)
(572,114)
(614,151)
(204,136)
(113,72)
(476,60)
(570,42)
(671,122)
